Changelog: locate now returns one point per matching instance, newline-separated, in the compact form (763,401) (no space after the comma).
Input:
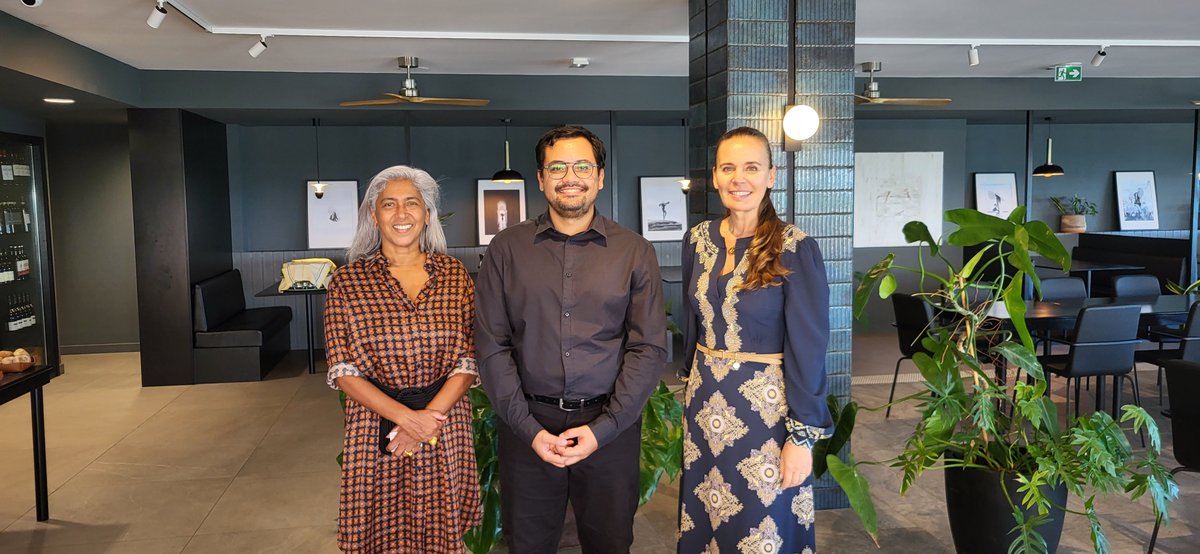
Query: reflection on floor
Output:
(250,468)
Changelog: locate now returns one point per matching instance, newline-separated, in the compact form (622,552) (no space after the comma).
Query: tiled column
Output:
(739,75)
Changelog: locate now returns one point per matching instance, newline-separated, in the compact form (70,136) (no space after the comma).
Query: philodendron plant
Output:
(1011,427)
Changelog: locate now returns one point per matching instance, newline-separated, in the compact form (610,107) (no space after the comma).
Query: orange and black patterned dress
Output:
(372,329)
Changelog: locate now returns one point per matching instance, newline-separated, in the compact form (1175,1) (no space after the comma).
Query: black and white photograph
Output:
(996,193)
(664,208)
(332,213)
(500,206)
(1137,203)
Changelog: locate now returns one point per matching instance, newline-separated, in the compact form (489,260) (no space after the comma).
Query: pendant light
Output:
(318,186)
(1048,169)
(506,175)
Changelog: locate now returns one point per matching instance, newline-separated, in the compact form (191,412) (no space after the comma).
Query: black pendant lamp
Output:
(507,175)
(1048,169)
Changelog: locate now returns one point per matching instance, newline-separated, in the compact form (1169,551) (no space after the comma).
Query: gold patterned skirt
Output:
(734,431)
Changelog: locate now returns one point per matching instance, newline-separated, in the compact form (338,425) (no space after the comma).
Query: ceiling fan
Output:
(870,94)
(408,94)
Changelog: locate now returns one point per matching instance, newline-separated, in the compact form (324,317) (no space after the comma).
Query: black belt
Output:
(564,404)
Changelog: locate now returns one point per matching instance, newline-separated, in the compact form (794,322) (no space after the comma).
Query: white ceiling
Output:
(621,37)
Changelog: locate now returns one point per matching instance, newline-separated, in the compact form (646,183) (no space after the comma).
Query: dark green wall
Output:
(92,205)
(12,121)
(269,166)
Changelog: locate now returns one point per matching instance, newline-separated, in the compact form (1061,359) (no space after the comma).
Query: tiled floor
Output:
(250,468)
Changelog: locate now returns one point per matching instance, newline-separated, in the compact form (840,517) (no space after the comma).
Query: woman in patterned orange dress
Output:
(399,316)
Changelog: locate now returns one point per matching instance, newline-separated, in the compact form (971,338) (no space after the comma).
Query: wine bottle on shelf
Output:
(31,313)
(8,272)
(20,165)
(25,215)
(12,314)
(22,262)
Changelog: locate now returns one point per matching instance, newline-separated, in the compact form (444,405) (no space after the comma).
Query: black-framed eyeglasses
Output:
(558,170)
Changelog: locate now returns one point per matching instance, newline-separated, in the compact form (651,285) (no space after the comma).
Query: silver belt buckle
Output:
(566,409)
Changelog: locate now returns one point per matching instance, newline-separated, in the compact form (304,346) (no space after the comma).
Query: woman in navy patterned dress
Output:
(757,326)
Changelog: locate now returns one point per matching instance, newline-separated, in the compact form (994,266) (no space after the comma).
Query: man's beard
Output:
(576,207)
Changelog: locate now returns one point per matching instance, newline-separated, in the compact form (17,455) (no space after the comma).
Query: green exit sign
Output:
(1072,72)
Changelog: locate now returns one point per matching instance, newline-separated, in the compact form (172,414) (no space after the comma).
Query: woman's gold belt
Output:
(741,356)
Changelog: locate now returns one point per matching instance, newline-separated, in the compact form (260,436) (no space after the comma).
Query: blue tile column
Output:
(738,74)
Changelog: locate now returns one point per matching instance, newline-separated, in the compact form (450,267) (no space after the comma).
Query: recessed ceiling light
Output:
(1196,102)
(58,100)
(579,63)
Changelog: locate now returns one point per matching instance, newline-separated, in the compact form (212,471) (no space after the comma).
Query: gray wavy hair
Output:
(366,234)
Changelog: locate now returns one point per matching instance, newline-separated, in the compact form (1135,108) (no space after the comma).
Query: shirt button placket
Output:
(568,301)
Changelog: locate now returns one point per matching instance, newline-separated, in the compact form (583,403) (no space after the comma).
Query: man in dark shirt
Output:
(570,332)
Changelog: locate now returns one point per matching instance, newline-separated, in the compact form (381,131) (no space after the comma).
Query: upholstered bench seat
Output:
(232,342)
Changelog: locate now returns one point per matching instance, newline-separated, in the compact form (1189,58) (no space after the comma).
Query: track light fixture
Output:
(259,47)
(973,55)
(157,15)
(1099,57)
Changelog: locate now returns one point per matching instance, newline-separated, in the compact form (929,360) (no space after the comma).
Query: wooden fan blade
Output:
(400,97)
(379,102)
(450,101)
(912,101)
(860,99)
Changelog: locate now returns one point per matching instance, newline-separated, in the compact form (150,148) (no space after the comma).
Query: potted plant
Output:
(985,432)
(1073,212)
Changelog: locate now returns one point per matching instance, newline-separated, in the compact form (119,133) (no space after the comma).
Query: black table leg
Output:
(312,366)
(40,489)
(1089,283)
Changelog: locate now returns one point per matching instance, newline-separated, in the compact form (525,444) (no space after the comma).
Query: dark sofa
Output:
(1162,257)
(233,343)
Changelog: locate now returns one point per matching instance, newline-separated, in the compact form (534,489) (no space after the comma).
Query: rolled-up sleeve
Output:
(806,321)
(494,350)
(645,355)
(342,354)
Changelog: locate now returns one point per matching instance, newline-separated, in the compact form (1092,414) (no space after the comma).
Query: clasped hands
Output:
(415,428)
(566,448)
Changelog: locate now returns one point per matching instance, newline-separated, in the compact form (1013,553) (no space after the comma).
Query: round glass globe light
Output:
(801,122)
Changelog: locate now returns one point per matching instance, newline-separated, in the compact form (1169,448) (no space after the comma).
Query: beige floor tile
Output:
(16,479)
(276,392)
(97,508)
(261,503)
(294,453)
(174,425)
(322,416)
(174,461)
(304,540)
(154,546)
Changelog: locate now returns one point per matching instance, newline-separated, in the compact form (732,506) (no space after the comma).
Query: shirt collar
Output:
(597,230)
(433,262)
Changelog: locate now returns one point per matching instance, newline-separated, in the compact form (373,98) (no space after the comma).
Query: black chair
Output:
(914,320)
(1102,345)
(1060,288)
(1136,285)
(1184,379)
(1188,338)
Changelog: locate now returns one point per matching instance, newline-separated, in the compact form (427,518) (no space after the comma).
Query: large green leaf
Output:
(1017,215)
(975,227)
(1043,241)
(863,292)
(843,427)
(858,491)
(916,231)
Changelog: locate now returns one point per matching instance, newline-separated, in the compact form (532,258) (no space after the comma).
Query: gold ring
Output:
(433,441)
(408,453)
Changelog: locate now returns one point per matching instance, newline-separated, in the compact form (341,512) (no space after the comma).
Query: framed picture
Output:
(664,208)
(332,217)
(1137,203)
(500,206)
(996,193)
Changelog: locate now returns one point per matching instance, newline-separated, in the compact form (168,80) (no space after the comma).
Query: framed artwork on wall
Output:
(1137,202)
(332,215)
(500,206)
(996,193)
(664,208)
(893,188)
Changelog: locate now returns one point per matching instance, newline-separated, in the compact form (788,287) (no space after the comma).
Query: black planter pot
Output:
(981,518)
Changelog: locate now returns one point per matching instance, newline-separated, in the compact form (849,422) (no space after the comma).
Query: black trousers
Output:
(602,488)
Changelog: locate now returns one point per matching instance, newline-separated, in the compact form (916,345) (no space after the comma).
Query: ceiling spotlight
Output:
(259,47)
(1099,57)
(157,15)
(1196,102)
(579,63)
(973,55)
(58,100)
